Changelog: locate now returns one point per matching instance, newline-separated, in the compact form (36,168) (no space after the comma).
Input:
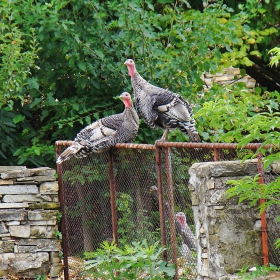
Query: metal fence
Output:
(132,193)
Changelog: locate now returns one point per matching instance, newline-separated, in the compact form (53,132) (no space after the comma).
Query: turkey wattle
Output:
(105,133)
(160,107)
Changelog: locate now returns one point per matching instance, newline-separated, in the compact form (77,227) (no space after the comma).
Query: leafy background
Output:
(62,65)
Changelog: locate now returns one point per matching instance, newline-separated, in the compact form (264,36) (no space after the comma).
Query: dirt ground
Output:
(271,276)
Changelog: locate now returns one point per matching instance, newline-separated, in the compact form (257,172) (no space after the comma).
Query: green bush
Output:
(111,262)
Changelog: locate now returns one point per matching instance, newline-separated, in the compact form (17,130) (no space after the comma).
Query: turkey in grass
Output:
(105,133)
(160,107)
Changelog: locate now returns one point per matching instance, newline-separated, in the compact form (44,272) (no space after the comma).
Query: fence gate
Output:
(132,193)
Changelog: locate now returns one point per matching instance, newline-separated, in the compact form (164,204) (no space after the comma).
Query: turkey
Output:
(189,241)
(105,133)
(160,107)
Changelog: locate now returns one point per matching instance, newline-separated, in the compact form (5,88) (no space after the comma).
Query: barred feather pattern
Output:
(104,133)
(162,108)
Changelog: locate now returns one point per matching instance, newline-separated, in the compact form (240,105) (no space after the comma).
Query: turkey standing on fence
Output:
(160,107)
(105,133)
(186,250)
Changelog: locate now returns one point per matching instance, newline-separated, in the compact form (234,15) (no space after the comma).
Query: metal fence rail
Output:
(132,193)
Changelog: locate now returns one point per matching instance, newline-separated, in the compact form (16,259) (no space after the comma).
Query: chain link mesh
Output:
(88,215)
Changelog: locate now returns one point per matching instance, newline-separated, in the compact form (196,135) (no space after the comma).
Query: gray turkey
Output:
(189,242)
(105,133)
(160,107)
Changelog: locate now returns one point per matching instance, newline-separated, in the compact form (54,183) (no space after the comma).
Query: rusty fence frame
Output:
(158,147)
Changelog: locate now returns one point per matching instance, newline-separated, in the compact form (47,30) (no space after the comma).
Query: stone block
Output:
(37,179)
(211,183)
(12,215)
(43,223)
(55,257)
(224,169)
(216,197)
(20,231)
(45,205)
(4,169)
(13,205)
(43,245)
(42,215)
(204,256)
(5,235)
(19,189)
(6,182)
(3,228)
(26,198)
(43,231)
(225,77)
(276,167)
(42,171)
(6,247)
(13,223)
(49,188)
(26,249)
(194,199)
(219,207)
(15,174)
(25,264)
(56,269)
(232,71)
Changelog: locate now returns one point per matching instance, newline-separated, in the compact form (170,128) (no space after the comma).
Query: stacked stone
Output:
(228,233)
(228,76)
(28,222)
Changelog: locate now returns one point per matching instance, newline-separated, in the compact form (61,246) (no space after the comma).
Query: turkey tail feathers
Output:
(194,136)
(69,153)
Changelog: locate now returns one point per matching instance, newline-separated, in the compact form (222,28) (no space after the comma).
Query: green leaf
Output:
(82,65)
(37,151)
(33,83)
(18,118)
(258,90)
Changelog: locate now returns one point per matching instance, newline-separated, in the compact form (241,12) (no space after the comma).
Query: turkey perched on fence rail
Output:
(160,107)
(105,133)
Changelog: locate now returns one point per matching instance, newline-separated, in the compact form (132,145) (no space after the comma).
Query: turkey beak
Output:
(125,62)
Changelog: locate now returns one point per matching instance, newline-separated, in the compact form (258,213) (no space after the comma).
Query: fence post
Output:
(160,202)
(63,229)
(113,197)
(216,154)
(264,228)
(171,216)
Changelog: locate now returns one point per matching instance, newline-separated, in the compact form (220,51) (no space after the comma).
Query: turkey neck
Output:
(138,83)
(131,70)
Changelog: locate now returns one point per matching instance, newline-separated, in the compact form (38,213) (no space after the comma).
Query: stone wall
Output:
(228,76)
(28,222)
(228,233)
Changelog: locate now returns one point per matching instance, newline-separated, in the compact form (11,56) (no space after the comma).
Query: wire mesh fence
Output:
(140,178)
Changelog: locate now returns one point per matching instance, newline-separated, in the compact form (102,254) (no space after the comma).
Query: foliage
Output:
(59,216)
(111,262)
(251,190)
(275,58)
(237,115)
(66,59)
(58,234)
(257,272)
(128,228)
(41,277)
